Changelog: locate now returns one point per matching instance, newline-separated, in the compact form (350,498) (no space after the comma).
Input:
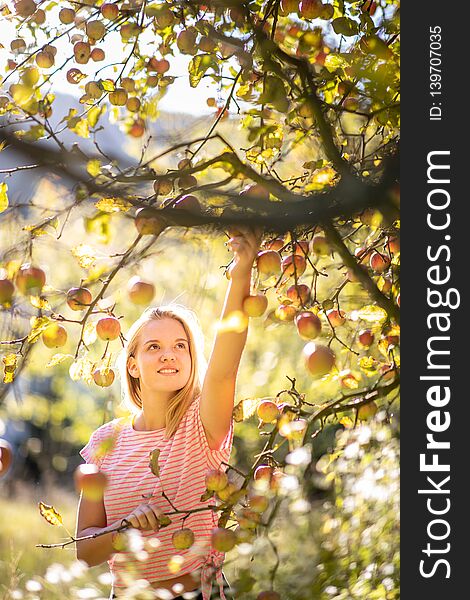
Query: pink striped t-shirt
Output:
(183,461)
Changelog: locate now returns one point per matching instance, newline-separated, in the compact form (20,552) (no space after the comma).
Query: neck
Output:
(153,413)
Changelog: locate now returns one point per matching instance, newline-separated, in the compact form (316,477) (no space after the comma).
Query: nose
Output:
(167,356)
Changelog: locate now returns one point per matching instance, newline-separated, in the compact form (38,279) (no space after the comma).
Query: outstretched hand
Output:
(245,243)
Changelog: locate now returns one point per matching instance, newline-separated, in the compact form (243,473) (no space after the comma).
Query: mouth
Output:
(168,371)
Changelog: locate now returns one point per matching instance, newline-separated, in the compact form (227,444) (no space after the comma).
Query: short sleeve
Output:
(100,443)
(214,457)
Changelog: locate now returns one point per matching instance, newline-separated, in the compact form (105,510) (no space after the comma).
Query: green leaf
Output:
(107,85)
(94,114)
(3,197)
(153,462)
(345,26)
(198,66)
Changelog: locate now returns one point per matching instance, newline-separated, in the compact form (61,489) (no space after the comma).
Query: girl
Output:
(183,411)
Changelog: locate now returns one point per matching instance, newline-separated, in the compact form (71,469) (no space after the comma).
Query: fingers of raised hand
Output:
(144,517)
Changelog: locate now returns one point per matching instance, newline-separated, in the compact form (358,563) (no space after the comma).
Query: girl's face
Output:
(162,359)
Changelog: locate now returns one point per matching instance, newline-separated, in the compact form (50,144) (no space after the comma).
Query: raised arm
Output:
(219,384)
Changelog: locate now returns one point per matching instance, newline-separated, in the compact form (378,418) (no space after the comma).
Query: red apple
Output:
(299,294)
(158,65)
(7,290)
(269,476)
(25,8)
(301,248)
(183,539)
(319,245)
(308,325)
(30,279)
(216,480)
(79,298)
(103,376)
(231,493)
(222,539)
(319,359)
(310,9)
(55,336)
(255,306)
(148,222)
(366,338)
(255,190)
(268,262)
(97,55)
(336,317)
(189,203)
(276,244)
(267,411)
(6,457)
(163,187)
(291,264)
(140,292)
(393,244)
(379,262)
(90,481)
(108,328)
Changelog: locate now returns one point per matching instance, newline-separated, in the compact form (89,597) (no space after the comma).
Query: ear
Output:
(132,367)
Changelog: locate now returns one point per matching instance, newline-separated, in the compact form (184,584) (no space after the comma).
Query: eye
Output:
(153,346)
(181,345)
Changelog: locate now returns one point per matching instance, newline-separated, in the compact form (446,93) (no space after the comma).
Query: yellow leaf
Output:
(10,361)
(38,325)
(94,114)
(93,167)
(110,205)
(84,254)
(346,421)
(369,365)
(50,514)
(89,333)
(247,408)
(39,302)
(57,359)
(372,313)
(81,369)
(79,126)
(3,197)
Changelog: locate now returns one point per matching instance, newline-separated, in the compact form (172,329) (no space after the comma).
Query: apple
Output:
(6,457)
(81,51)
(158,65)
(184,163)
(248,518)
(319,360)
(7,290)
(128,84)
(301,248)
(293,264)
(223,539)
(255,190)
(285,312)
(268,595)
(103,376)
(363,254)
(30,279)
(244,536)
(137,129)
(319,245)
(187,181)
(336,317)
(276,244)
(289,6)
(379,262)
(97,55)
(255,306)
(39,17)
(66,15)
(109,11)
(367,411)
(148,222)
(183,539)
(165,18)
(128,31)
(267,411)
(79,298)
(268,262)
(299,294)
(308,325)
(163,187)
(310,9)
(140,292)
(18,45)
(258,502)
(25,8)
(216,480)
(231,492)
(393,244)
(186,40)
(55,336)
(118,97)
(133,105)
(95,30)
(108,328)
(371,216)
(44,60)
(366,338)
(90,481)
(268,477)
(189,203)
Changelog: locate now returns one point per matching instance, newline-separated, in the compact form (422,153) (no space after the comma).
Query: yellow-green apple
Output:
(95,30)
(7,290)
(148,222)
(30,279)
(183,539)
(79,298)
(44,60)
(367,411)
(255,305)
(267,411)
(223,539)
(268,262)
(6,457)
(118,97)
(231,492)
(54,336)
(108,328)
(133,104)
(109,11)
(285,312)
(289,6)
(90,481)
(258,502)
(66,15)
(103,376)
(308,325)
(216,480)
(319,359)
(319,245)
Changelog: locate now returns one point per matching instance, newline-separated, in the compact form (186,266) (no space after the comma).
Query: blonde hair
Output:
(182,399)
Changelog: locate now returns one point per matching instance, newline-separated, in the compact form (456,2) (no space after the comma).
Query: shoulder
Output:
(103,440)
